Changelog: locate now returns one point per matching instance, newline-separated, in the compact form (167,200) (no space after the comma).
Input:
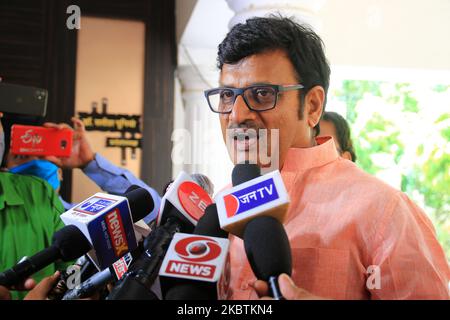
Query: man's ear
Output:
(314,105)
(347,155)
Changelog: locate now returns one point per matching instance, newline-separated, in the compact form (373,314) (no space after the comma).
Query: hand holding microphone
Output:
(288,289)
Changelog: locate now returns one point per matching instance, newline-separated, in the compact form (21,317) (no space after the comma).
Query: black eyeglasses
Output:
(257,97)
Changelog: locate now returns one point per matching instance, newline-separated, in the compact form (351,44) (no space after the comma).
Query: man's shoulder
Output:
(27,181)
(377,197)
(354,178)
(27,187)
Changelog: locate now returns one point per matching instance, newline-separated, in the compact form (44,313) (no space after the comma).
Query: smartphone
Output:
(41,141)
(20,99)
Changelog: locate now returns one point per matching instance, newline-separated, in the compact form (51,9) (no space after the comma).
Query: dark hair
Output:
(301,44)
(342,131)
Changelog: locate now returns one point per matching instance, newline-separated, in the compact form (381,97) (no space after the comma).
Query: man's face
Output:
(272,67)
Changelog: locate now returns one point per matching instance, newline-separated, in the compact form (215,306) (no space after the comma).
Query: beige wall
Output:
(386,33)
(110,63)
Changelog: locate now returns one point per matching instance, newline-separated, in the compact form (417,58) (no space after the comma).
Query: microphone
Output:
(182,205)
(195,268)
(209,225)
(180,288)
(263,195)
(204,182)
(107,222)
(243,172)
(87,267)
(254,209)
(68,244)
(268,251)
(111,274)
(185,202)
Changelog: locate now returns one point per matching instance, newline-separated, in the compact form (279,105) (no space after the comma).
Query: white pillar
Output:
(204,149)
(304,11)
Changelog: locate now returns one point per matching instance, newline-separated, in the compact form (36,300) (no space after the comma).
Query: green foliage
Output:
(353,91)
(382,129)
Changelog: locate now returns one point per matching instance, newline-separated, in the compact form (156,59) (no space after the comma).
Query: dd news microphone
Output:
(195,267)
(68,244)
(176,288)
(107,222)
(181,207)
(260,196)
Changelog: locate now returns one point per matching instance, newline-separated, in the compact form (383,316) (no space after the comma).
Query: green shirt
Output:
(29,215)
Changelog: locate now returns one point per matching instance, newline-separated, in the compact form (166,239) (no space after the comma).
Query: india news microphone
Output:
(252,197)
(87,268)
(107,221)
(181,207)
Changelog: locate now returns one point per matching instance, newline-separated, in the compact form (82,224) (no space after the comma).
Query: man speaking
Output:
(351,235)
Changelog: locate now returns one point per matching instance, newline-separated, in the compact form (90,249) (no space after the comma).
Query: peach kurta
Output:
(345,227)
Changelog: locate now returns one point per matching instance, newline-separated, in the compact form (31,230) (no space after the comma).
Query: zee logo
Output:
(251,197)
(195,251)
(193,199)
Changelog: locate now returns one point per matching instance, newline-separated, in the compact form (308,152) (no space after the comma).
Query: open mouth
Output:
(244,139)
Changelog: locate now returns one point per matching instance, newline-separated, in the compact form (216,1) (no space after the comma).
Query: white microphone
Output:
(260,196)
(195,267)
(107,222)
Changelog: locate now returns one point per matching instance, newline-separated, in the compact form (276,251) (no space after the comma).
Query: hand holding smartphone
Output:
(41,141)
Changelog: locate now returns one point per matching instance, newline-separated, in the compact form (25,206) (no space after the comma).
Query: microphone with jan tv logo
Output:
(181,207)
(68,244)
(254,209)
(260,196)
(107,222)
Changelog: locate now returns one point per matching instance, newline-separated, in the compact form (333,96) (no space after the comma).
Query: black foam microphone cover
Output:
(267,247)
(209,225)
(70,242)
(243,172)
(140,201)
